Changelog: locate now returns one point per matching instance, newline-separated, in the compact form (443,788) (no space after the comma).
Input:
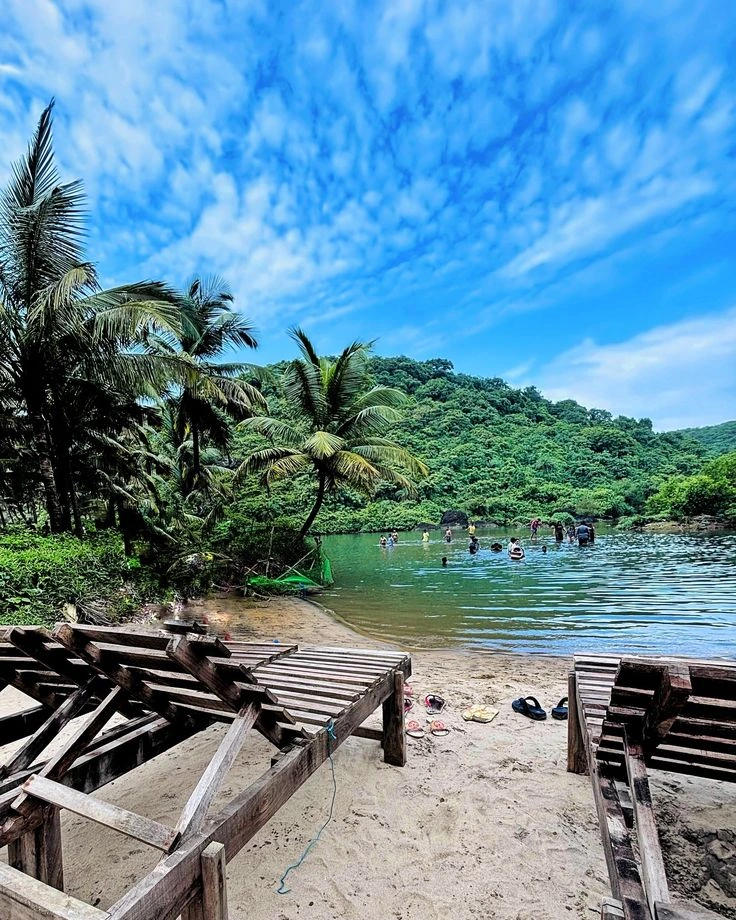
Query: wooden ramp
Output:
(631,715)
(304,700)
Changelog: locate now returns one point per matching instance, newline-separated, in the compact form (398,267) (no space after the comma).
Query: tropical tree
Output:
(60,332)
(210,391)
(334,428)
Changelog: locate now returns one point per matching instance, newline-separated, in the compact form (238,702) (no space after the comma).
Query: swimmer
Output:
(515,549)
(444,560)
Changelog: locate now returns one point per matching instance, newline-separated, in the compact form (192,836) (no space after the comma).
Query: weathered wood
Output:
(623,871)
(21,724)
(653,872)
(176,879)
(209,784)
(38,852)
(25,898)
(611,909)
(577,761)
(40,739)
(119,819)
(373,734)
(60,763)
(214,883)
(678,910)
(394,736)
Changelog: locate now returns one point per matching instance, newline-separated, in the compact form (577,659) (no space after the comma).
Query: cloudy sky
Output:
(538,189)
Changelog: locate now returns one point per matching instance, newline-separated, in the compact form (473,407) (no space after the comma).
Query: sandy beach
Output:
(485,822)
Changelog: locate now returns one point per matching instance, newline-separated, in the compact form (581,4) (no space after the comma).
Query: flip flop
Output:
(408,690)
(408,705)
(414,729)
(560,710)
(480,714)
(434,703)
(438,727)
(532,712)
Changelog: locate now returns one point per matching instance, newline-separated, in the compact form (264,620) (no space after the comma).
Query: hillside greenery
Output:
(717,439)
(712,491)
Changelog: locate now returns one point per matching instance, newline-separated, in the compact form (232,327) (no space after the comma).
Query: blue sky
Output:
(535,189)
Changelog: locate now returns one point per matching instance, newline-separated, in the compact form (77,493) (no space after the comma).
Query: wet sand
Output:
(485,822)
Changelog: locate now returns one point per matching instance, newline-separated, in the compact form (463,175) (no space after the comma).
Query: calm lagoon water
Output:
(655,593)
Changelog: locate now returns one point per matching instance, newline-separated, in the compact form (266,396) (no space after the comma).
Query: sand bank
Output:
(483,823)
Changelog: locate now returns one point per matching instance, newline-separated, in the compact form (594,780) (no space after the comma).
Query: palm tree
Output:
(58,328)
(210,391)
(336,429)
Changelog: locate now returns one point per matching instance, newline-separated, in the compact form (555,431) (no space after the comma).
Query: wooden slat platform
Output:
(305,700)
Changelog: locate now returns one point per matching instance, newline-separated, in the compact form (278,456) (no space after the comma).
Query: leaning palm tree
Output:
(335,430)
(57,326)
(209,391)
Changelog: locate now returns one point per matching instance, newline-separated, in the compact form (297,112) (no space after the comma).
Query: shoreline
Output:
(483,822)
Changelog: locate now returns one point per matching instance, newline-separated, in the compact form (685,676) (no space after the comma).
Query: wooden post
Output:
(24,898)
(577,760)
(214,883)
(394,737)
(38,852)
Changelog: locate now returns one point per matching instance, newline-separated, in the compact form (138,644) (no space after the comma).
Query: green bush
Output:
(40,574)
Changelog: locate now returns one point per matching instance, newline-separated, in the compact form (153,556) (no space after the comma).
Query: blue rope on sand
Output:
(331,736)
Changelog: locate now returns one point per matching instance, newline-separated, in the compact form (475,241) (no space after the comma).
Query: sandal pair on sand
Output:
(529,706)
(436,727)
(480,713)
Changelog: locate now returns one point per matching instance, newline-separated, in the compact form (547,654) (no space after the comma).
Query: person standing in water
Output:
(444,561)
(425,537)
(534,527)
(395,536)
(448,535)
(471,529)
(383,541)
(591,532)
(515,549)
(583,534)
(559,532)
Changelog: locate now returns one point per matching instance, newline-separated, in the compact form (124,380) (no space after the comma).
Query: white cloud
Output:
(680,375)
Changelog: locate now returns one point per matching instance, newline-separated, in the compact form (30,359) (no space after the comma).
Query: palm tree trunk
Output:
(315,508)
(46,469)
(195,451)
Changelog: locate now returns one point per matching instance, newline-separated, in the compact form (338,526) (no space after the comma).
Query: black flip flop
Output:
(560,710)
(532,712)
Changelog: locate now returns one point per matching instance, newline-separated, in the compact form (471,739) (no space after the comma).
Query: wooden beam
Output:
(119,819)
(25,898)
(177,879)
(678,910)
(394,736)
(21,724)
(623,871)
(69,709)
(214,883)
(209,784)
(653,872)
(577,758)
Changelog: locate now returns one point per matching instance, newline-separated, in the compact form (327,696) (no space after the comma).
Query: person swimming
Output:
(544,548)
(515,549)
(473,546)
(444,560)
(496,547)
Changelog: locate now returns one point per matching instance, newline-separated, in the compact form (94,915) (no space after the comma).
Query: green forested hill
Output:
(717,439)
(504,454)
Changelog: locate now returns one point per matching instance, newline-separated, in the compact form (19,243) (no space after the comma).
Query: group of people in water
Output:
(582,533)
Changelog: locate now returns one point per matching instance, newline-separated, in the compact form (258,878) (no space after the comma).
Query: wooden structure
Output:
(305,700)
(631,715)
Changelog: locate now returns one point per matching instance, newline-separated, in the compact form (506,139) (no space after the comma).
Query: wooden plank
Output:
(25,898)
(209,784)
(43,735)
(119,819)
(373,734)
(577,760)
(611,909)
(394,736)
(38,852)
(214,883)
(57,766)
(175,881)
(21,724)
(653,872)
(623,871)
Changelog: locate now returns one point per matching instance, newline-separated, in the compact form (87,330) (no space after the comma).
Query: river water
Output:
(653,593)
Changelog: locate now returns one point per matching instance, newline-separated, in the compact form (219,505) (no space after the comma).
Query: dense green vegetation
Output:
(712,491)
(717,439)
(503,454)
